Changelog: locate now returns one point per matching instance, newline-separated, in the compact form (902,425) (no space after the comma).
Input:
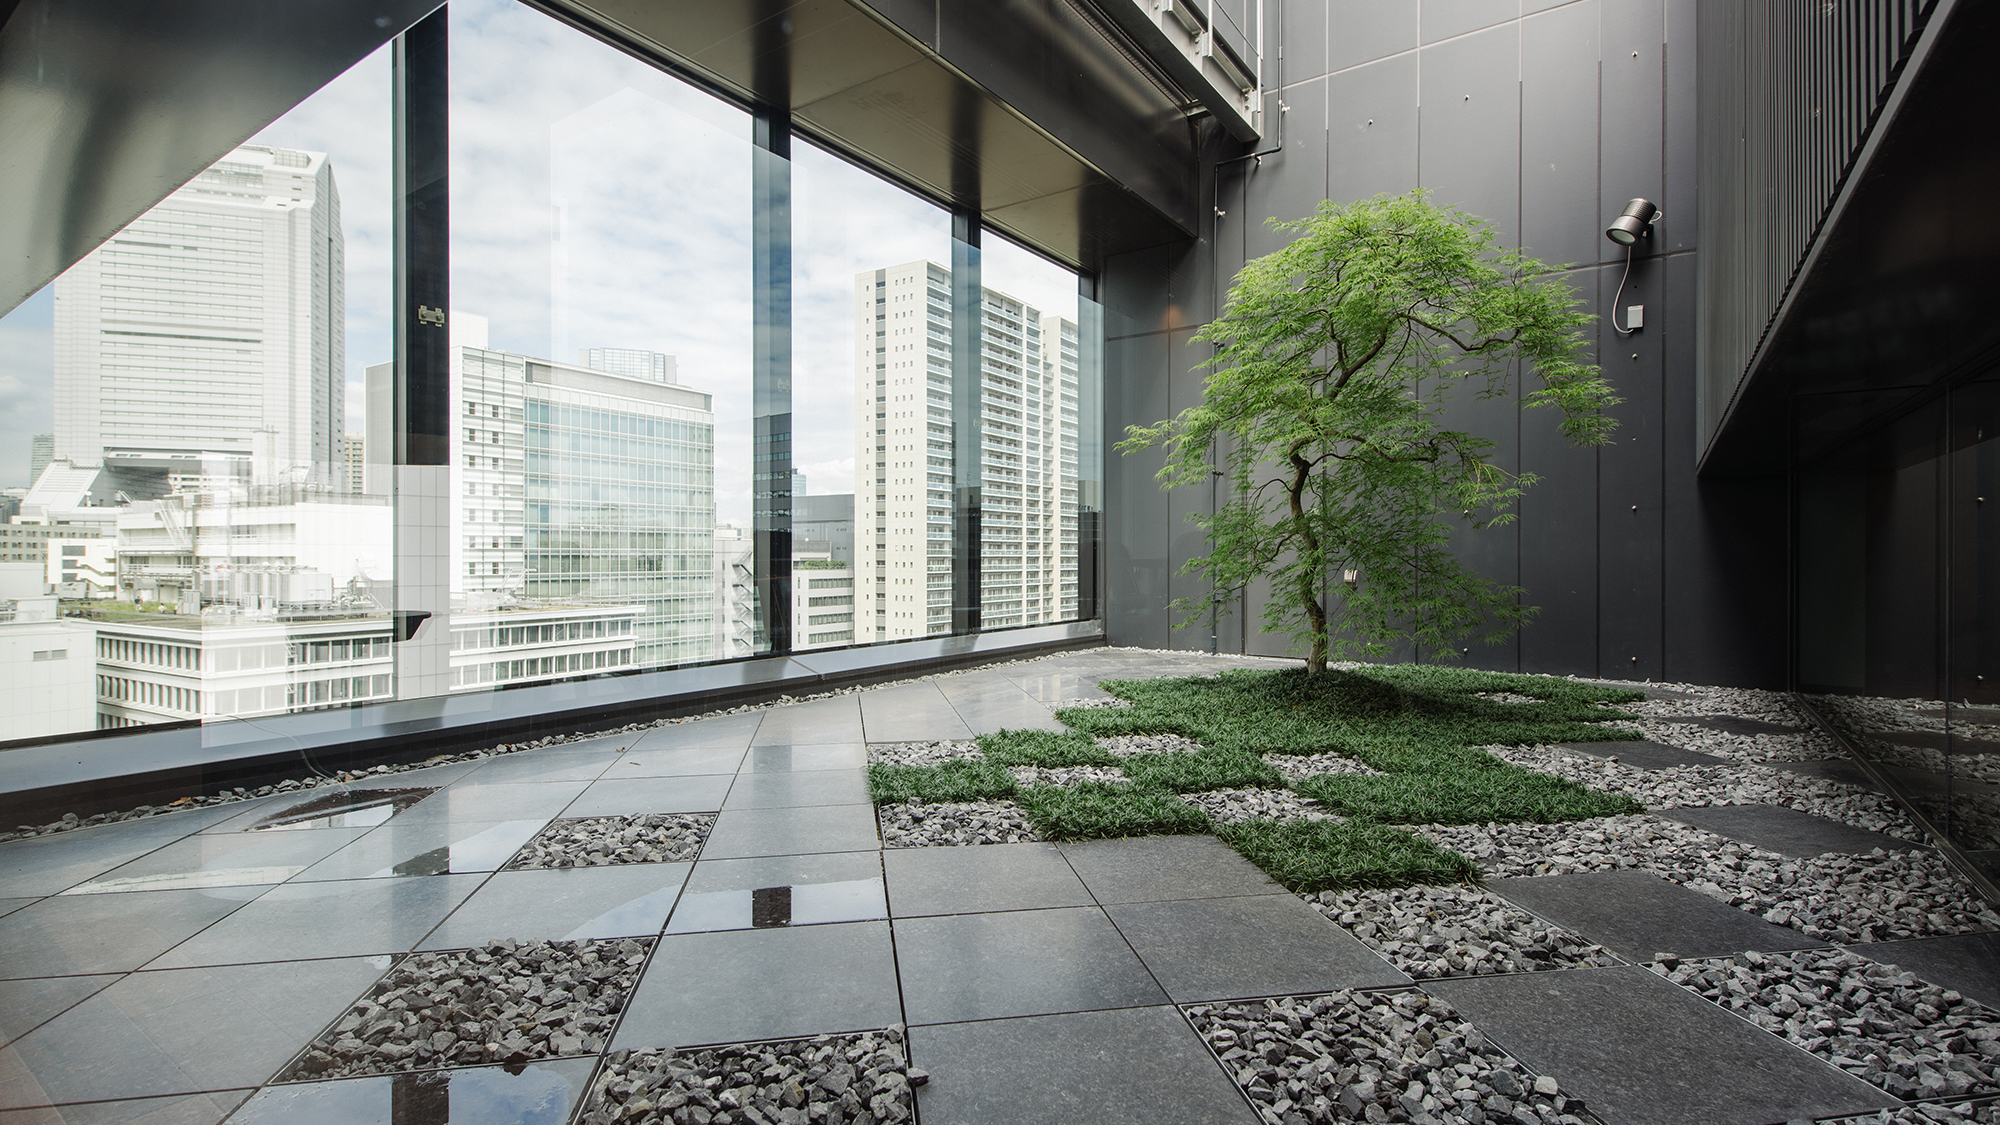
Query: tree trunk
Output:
(1316,616)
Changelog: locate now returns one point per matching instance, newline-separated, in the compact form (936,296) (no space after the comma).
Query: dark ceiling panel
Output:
(108,106)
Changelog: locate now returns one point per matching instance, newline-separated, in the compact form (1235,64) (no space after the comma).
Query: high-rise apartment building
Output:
(41,450)
(903,457)
(574,486)
(208,335)
(354,462)
(659,367)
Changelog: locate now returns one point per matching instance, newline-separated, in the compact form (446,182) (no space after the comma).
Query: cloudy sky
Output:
(596,202)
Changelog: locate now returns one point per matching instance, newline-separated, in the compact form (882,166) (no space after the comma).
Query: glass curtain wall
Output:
(1898,557)
(506,359)
(190,529)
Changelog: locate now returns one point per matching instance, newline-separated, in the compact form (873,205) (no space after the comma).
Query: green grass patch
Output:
(1196,771)
(964,779)
(1098,811)
(1472,796)
(1045,748)
(1321,855)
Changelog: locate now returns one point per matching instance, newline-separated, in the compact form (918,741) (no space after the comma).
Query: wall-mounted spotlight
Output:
(1633,223)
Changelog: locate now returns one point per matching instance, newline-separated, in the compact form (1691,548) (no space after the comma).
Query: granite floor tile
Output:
(1637,914)
(443,847)
(1059,687)
(109,933)
(910,713)
(1257,945)
(307,920)
(1969,963)
(362,804)
(46,865)
(763,984)
(28,1004)
(1162,868)
(625,795)
(1785,831)
(989,702)
(553,763)
(782,759)
(236,859)
(676,761)
(10,905)
(1018,963)
(470,801)
(541,1093)
(182,1031)
(798,790)
(797,890)
(1644,755)
(565,904)
(811,724)
(980,879)
(744,833)
(183,1109)
(1641,1051)
(724,732)
(1133,1066)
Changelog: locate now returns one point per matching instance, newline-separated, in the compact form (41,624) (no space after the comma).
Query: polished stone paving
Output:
(165,970)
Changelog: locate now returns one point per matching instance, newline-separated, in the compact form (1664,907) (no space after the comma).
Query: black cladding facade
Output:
(1545,123)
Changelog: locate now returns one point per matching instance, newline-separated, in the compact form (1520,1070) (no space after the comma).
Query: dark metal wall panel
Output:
(1469,141)
(1183,539)
(1135,390)
(1289,184)
(1494,551)
(1372,129)
(1631,117)
(1678,195)
(1443,19)
(1630,482)
(1303,35)
(1559,542)
(1788,97)
(1560,221)
(1365,30)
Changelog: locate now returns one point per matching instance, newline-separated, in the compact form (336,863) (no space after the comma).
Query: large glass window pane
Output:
(190,497)
(601,492)
(1033,360)
(871,403)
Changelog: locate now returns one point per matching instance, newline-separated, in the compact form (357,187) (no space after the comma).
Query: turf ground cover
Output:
(1419,725)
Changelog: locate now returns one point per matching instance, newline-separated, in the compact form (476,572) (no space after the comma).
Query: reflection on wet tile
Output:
(566,904)
(349,918)
(175,1109)
(352,808)
(763,908)
(540,1093)
(441,848)
(66,935)
(226,860)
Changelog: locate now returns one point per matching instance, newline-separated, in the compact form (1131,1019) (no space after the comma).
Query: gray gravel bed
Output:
(1228,806)
(931,753)
(854,1079)
(1857,716)
(1108,701)
(1375,1057)
(506,1002)
(1835,897)
(1809,746)
(1699,786)
(1506,697)
(1875,1021)
(1929,1113)
(1126,745)
(1066,775)
(1298,767)
(599,841)
(1431,932)
(913,824)
(1707,699)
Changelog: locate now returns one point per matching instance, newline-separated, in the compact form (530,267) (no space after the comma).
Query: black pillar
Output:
(967,388)
(771,372)
(422,245)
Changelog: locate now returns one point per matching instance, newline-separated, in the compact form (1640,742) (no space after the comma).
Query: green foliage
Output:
(1045,748)
(1323,855)
(1469,796)
(963,779)
(1197,771)
(1335,360)
(1096,810)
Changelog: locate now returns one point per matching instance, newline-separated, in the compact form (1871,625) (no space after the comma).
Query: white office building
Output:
(903,506)
(212,328)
